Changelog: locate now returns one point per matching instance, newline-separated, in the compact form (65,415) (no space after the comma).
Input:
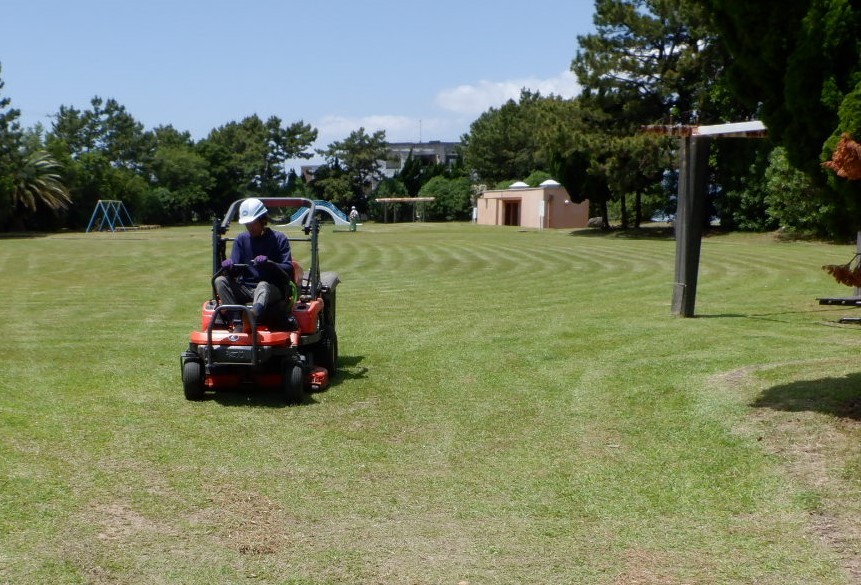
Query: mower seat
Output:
(298,273)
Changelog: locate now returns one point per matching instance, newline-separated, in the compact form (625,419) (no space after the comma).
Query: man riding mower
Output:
(268,323)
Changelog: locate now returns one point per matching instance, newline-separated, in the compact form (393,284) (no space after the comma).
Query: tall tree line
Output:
(799,64)
(793,65)
(52,178)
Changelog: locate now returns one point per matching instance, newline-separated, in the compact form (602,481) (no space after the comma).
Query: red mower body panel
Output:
(224,337)
(307,315)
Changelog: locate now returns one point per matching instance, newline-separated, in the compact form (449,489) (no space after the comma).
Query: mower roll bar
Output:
(311,227)
(270,203)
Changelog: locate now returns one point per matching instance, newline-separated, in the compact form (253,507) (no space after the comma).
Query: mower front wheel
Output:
(192,380)
(293,384)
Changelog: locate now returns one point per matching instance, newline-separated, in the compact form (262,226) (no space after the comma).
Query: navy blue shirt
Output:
(272,244)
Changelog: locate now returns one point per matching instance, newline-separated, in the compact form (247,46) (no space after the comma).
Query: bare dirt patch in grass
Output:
(118,528)
(119,521)
(247,522)
(643,567)
(338,547)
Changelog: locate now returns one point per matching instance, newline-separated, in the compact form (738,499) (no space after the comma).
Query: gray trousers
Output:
(231,292)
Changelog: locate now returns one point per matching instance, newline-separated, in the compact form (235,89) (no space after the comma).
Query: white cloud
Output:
(477,98)
(398,128)
(461,106)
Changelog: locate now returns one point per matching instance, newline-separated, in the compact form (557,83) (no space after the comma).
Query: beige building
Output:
(545,206)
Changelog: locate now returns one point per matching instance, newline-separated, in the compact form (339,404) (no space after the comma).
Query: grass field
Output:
(512,407)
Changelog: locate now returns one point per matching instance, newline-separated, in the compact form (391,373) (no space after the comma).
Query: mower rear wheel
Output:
(192,380)
(326,354)
(294,384)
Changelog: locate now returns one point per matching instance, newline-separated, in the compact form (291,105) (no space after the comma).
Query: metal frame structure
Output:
(112,213)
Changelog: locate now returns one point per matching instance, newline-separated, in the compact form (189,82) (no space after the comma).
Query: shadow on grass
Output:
(349,368)
(646,232)
(22,235)
(643,233)
(839,397)
(765,316)
(250,396)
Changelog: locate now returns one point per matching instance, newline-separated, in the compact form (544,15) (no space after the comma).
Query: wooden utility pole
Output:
(694,143)
(689,221)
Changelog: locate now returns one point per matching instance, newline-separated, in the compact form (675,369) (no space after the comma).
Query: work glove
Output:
(261,259)
(227,264)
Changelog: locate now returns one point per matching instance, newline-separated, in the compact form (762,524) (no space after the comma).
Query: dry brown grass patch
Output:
(816,440)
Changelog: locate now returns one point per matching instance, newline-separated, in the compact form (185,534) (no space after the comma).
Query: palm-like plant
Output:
(37,181)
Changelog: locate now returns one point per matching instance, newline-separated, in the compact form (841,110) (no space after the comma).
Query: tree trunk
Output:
(638,209)
(605,216)
(623,209)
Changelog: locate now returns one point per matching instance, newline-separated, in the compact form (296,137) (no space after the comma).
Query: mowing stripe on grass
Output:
(512,407)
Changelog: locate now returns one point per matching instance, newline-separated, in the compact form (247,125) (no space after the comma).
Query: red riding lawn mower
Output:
(294,352)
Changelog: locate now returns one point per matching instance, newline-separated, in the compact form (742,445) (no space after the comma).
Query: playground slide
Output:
(338,216)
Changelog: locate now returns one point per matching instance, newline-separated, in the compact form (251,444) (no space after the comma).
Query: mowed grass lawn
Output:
(512,407)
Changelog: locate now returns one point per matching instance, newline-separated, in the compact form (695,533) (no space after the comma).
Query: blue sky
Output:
(419,71)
